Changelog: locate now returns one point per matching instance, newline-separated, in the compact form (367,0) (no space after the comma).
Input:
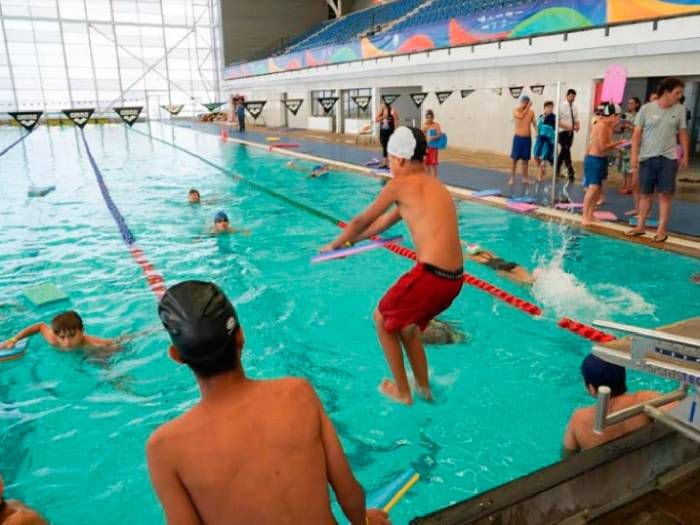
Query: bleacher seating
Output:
(441,10)
(355,24)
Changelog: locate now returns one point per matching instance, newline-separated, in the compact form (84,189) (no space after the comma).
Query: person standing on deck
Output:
(568,125)
(388,118)
(522,140)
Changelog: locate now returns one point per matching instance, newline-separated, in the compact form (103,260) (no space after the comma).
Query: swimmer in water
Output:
(316,171)
(509,270)
(66,333)
(221,225)
(193,197)
(441,333)
(695,278)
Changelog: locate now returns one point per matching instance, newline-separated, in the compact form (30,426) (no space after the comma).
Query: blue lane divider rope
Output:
(8,148)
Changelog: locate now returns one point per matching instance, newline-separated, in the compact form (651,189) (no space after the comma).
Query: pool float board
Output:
(272,139)
(493,192)
(40,191)
(44,294)
(354,250)
(568,205)
(614,84)
(604,216)
(283,145)
(649,223)
(526,200)
(15,351)
(521,207)
(438,143)
(382,498)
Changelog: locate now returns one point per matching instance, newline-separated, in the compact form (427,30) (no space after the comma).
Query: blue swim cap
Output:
(318,167)
(220,216)
(599,373)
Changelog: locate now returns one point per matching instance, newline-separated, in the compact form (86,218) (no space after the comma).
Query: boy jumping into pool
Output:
(431,286)
(257,452)
(66,333)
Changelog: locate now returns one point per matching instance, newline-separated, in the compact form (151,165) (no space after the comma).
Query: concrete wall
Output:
(251,27)
(483,120)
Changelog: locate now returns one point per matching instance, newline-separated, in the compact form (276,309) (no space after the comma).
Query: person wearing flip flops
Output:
(654,153)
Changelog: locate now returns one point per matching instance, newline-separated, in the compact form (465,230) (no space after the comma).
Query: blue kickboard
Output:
(494,192)
(40,191)
(649,223)
(526,200)
(19,348)
(438,143)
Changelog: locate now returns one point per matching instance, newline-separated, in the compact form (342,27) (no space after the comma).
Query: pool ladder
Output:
(662,354)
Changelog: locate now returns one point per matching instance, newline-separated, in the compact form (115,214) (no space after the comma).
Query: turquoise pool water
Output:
(72,430)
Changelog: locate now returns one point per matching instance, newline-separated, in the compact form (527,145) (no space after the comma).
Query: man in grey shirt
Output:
(658,128)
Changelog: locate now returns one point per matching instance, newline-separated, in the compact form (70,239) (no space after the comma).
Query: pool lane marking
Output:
(580,329)
(155,281)
(8,148)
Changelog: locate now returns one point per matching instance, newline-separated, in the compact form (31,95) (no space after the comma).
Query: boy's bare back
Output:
(429,212)
(601,137)
(255,456)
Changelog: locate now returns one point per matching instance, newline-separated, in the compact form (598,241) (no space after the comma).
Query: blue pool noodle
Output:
(381,497)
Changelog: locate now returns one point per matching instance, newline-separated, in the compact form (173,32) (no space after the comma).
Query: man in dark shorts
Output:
(654,153)
(430,287)
(250,451)
(522,140)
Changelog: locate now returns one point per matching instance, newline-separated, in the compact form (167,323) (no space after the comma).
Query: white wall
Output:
(483,120)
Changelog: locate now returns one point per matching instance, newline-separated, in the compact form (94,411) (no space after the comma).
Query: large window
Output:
(316,107)
(58,54)
(351,109)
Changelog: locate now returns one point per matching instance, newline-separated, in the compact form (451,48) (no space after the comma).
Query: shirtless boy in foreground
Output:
(250,452)
(430,287)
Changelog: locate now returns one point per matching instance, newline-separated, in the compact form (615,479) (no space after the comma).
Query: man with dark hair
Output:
(430,287)
(521,150)
(66,333)
(544,145)
(13,512)
(568,124)
(250,451)
(579,433)
(193,197)
(654,153)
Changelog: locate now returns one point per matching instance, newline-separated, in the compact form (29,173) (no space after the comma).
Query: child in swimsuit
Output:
(430,287)
(510,270)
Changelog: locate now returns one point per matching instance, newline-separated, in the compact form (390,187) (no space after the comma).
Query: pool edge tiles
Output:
(675,243)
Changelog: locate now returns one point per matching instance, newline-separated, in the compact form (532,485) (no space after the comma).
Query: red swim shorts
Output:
(418,296)
(431,157)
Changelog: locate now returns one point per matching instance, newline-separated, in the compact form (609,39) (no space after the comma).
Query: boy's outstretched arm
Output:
(27,332)
(365,219)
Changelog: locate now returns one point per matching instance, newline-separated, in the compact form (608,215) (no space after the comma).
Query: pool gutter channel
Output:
(674,243)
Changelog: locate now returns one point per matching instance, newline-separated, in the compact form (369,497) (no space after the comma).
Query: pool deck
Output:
(463,179)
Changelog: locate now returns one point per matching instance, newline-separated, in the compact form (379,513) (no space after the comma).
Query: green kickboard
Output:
(44,294)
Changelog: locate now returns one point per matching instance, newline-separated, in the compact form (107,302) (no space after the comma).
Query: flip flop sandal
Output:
(632,233)
(659,239)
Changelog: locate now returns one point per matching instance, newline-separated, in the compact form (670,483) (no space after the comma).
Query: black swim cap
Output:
(200,320)
(599,373)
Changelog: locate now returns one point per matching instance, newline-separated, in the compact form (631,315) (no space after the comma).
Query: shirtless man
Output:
(595,165)
(13,512)
(579,433)
(525,123)
(257,452)
(431,286)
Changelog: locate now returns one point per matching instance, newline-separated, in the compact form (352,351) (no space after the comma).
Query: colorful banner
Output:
(293,104)
(418,98)
(79,117)
(173,109)
(362,101)
(255,107)
(442,96)
(529,19)
(27,119)
(129,114)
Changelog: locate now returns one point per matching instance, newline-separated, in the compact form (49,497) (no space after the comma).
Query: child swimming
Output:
(510,270)
(316,171)
(221,225)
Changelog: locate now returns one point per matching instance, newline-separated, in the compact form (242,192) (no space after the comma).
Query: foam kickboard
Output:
(44,294)
(16,350)
(526,200)
(521,207)
(649,223)
(494,192)
(604,215)
(568,205)
(40,191)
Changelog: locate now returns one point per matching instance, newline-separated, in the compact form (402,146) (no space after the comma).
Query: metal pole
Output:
(555,158)
(9,59)
(667,420)
(601,411)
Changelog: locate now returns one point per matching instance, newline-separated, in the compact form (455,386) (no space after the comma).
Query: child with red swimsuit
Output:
(430,287)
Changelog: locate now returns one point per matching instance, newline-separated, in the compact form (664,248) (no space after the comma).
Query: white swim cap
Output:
(402,143)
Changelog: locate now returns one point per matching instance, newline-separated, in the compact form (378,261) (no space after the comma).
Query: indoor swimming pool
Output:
(73,428)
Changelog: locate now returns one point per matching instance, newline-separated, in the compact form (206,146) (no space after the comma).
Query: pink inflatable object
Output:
(614,84)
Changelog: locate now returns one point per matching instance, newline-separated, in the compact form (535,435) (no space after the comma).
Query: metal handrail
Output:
(653,334)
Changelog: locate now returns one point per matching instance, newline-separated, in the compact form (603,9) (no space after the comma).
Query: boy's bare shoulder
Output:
(296,386)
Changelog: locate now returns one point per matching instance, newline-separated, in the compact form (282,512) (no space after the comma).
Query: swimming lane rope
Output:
(8,148)
(523,305)
(155,281)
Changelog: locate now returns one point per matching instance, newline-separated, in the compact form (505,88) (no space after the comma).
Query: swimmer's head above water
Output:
(69,330)
(203,327)
(597,373)
(221,222)
(193,196)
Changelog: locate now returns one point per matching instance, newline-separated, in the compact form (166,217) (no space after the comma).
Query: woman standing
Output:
(387,118)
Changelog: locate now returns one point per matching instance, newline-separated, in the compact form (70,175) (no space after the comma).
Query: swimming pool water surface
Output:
(73,429)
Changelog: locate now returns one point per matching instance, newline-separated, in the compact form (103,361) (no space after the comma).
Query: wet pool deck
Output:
(464,173)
